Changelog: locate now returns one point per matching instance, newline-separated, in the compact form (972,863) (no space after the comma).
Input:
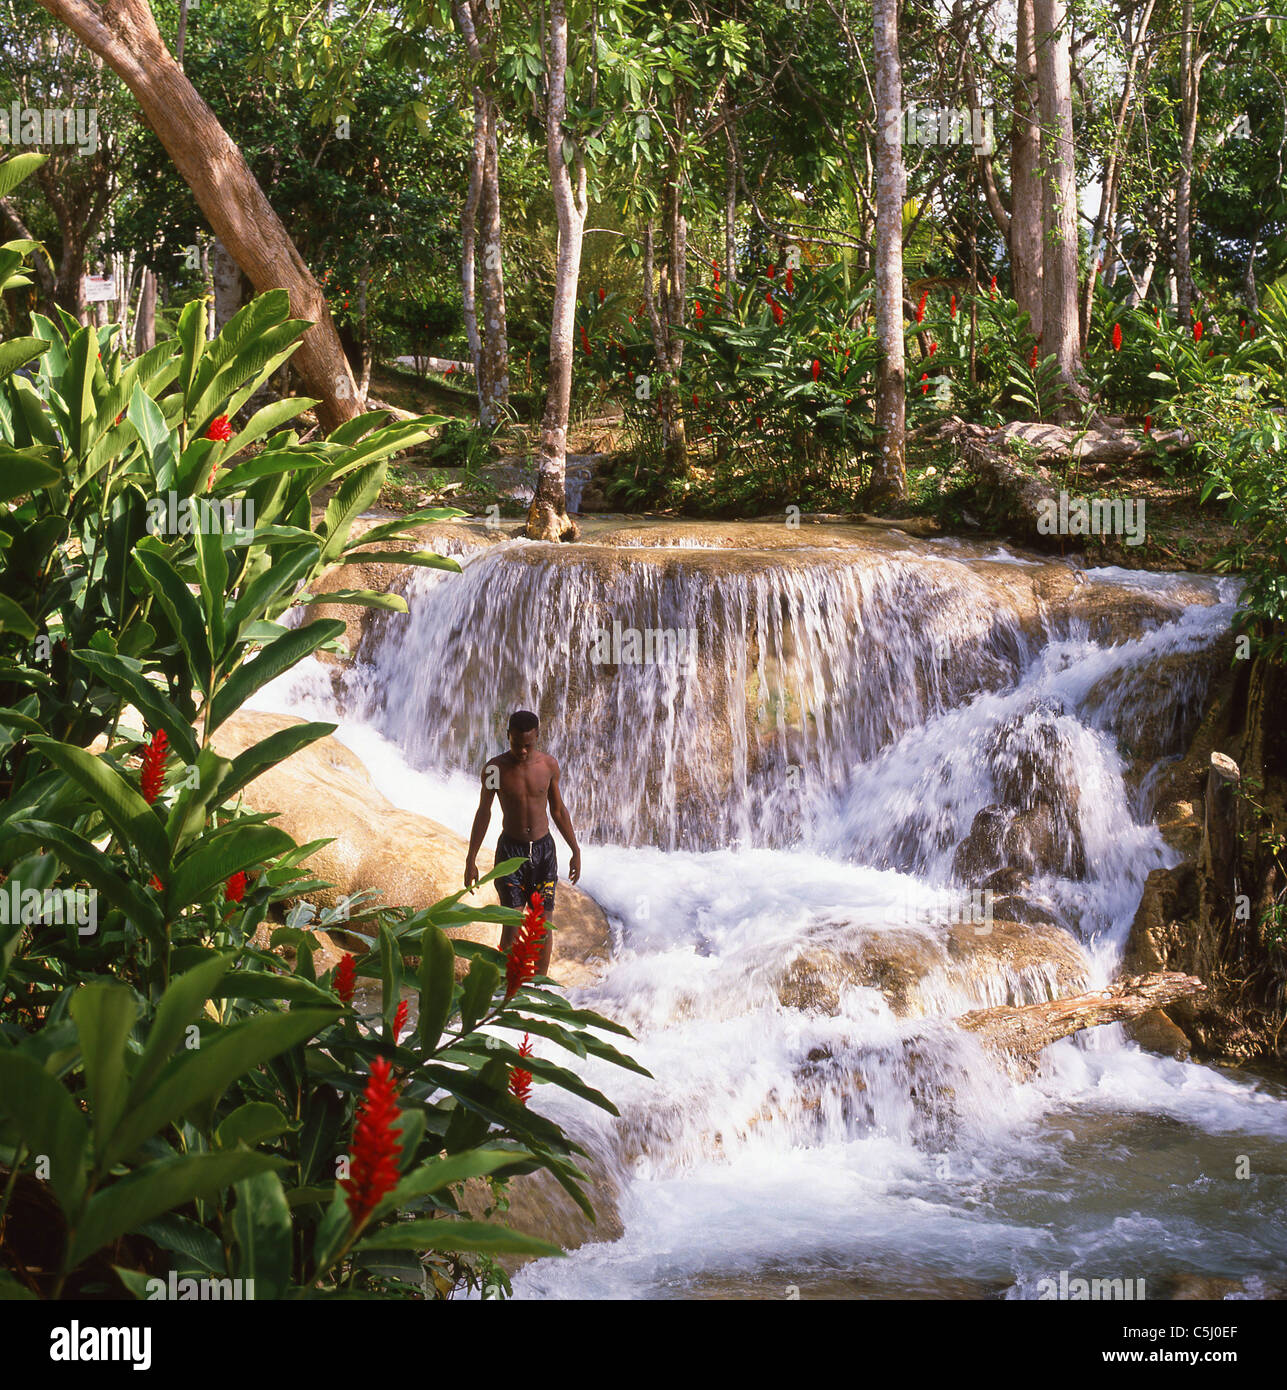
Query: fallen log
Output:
(1024,1030)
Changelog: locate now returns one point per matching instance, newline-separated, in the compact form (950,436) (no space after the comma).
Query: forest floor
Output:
(1184,533)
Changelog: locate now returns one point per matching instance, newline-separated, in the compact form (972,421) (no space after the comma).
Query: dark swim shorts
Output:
(538,875)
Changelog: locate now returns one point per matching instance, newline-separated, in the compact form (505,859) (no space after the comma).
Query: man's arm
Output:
(559,815)
(482,819)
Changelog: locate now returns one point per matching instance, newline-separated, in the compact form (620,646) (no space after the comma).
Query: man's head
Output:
(523,725)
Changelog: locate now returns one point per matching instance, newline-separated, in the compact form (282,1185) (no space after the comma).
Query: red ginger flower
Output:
(770,272)
(1148,424)
(585,339)
(235,889)
(695,401)
(520,1081)
(373,1157)
(699,312)
(933,348)
(157,884)
(920,308)
(1032,358)
(1197,331)
(817,368)
(153,773)
(345,978)
(778,315)
(953,306)
(220,429)
(993,286)
(790,280)
(520,962)
(1117,337)
(924,382)
(399,1019)
(600,294)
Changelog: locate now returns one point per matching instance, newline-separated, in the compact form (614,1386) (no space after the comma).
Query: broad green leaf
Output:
(159,1187)
(437,984)
(126,677)
(104,1014)
(261,1227)
(48,1121)
(277,657)
(216,858)
(476,993)
(447,1235)
(181,1005)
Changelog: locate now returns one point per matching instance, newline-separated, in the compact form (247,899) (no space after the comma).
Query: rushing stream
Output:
(859,789)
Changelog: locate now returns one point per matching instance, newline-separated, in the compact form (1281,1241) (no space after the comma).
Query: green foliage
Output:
(163,1072)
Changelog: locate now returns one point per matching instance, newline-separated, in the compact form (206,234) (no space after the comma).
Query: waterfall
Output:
(798,768)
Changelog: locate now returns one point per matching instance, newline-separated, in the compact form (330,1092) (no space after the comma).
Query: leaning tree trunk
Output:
(1025,175)
(547,519)
(145,318)
(1060,332)
(889,473)
(125,36)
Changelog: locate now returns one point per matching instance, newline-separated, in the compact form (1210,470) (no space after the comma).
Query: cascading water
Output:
(792,813)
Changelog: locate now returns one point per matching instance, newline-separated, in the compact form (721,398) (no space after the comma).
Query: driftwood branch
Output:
(1025,1030)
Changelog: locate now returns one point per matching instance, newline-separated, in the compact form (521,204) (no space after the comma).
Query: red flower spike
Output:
(817,368)
(924,382)
(601,295)
(920,308)
(373,1156)
(399,1020)
(933,348)
(700,312)
(521,958)
(1117,337)
(520,1081)
(585,340)
(345,978)
(156,883)
(778,315)
(952,306)
(1032,358)
(1197,331)
(235,889)
(1148,424)
(153,771)
(770,272)
(992,287)
(695,401)
(220,429)
(790,280)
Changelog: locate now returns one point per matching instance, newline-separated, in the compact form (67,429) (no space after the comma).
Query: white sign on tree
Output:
(99,288)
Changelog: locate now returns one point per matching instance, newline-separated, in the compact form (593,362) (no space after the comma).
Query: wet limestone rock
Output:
(325,790)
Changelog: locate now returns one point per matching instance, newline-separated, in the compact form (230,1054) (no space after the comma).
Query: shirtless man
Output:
(527,781)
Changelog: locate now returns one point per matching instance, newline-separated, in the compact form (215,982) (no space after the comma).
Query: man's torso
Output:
(523,791)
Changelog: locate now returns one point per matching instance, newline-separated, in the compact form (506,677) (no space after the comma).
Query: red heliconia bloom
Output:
(817,368)
(373,1157)
(993,286)
(156,883)
(952,306)
(790,280)
(924,382)
(520,1081)
(153,772)
(920,308)
(1148,424)
(399,1019)
(1117,337)
(933,348)
(521,958)
(235,889)
(1032,357)
(345,978)
(220,429)
(600,294)
(1197,331)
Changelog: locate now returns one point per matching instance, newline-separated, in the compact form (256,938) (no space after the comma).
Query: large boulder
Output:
(325,790)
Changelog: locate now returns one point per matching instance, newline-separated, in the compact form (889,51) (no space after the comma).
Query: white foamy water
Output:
(867,742)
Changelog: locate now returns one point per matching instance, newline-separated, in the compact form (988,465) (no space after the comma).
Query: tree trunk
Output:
(1059,324)
(665,303)
(226,275)
(1184,182)
(730,209)
(364,332)
(888,474)
(483,287)
(547,518)
(1025,176)
(1026,1029)
(495,333)
(145,321)
(126,38)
